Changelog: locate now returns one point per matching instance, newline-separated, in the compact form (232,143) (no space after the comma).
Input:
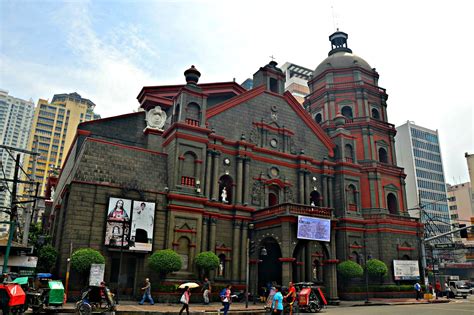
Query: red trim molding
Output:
(331,261)
(287,259)
(223,249)
(405,248)
(185,231)
(356,246)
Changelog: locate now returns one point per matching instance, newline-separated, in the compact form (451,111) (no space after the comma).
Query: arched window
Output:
(392,203)
(318,118)
(176,113)
(405,257)
(347,112)
(273,196)
(225,189)
(349,153)
(351,198)
(193,114)
(355,257)
(188,175)
(183,251)
(375,113)
(383,155)
(315,198)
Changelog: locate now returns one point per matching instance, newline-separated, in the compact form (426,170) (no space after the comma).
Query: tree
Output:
(83,258)
(165,261)
(207,261)
(47,256)
(349,269)
(376,268)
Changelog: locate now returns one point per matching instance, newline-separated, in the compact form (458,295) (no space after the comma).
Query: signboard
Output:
(130,224)
(96,275)
(406,270)
(316,229)
(445,246)
(21,261)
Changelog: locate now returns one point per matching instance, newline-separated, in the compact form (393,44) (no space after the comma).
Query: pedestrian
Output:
(418,290)
(437,289)
(447,290)
(147,293)
(206,288)
(430,288)
(277,305)
(291,296)
(226,299)
(185,301)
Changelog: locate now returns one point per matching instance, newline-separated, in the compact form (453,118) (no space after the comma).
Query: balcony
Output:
(384,216)
(292,209)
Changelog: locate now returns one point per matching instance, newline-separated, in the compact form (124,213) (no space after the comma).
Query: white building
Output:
(418,151)
(16,117)
(297,78)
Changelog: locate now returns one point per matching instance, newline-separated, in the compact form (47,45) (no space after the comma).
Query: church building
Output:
(206,166)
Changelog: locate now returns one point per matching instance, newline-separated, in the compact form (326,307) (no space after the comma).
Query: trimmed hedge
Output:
(83,258)
(376,268)
(349,269)
(165,261)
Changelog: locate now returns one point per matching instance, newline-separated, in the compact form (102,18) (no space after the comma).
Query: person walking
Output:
(277,304)
(291,296)
(417,287)
(147,293)
(185,301)
(447,290)
(206,288)
(226,299)
(437,289)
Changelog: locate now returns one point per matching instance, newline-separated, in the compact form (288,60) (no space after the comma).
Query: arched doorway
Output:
(269,269)
(308,265)
(315,198)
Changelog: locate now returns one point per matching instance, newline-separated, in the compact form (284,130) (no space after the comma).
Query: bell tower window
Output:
(383,157)
(375,113)
(318,118)
(347,112)
(274,85)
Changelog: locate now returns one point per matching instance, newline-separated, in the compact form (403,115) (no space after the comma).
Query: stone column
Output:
(207,186)
(204,245)
(332,272)
(324,186)
(308,263)
(287,272)
(235,250)
(239,180)
(215,174)
(306,188)
(301,186)
(245,197)
(330,193)
(243,251)
(192,254)
(212,240)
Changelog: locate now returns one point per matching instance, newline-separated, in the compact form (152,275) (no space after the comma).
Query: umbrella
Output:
(190,285)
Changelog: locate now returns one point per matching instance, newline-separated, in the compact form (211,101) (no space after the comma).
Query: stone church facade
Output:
(223,164)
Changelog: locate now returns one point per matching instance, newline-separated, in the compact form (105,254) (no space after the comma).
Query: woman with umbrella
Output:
(186,296)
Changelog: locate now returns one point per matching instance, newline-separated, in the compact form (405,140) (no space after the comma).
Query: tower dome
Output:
(340,56)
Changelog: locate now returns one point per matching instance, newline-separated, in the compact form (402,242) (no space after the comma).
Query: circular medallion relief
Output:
(274,172)
(226,161)
(274,143)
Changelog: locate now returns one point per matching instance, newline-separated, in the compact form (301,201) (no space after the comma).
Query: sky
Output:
(108,50)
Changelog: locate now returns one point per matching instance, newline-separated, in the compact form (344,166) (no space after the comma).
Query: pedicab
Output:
(12,298)
(96,299)
(310,298)
(45,294)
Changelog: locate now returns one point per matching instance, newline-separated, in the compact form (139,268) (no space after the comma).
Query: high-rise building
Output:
(16,116)
(54,128)
(418,151)
(460,208)
(297,78)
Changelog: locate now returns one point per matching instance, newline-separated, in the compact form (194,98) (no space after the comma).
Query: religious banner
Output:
(118,222)
(315,229)
(141,233)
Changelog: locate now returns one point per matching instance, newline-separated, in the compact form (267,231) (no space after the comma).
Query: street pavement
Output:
(377,306)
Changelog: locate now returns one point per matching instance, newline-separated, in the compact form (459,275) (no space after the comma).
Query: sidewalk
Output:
(132,307)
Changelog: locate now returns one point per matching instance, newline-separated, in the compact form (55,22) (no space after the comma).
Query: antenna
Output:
(335,24)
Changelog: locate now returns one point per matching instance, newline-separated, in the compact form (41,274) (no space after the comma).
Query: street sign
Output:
(445,246)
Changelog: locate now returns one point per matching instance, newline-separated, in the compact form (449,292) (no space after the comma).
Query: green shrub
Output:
(47,256)
(376,268)
(83,258)
(349,270)
(165,261)
(207,261)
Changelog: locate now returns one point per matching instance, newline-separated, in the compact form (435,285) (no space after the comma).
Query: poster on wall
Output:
(96,275)
(117,227)
(141,233)
(315,229)
(406,270)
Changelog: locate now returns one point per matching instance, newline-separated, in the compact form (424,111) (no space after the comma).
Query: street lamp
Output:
(364,261)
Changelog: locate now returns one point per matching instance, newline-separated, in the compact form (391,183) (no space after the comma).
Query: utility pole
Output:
(14,207)
(29,211)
